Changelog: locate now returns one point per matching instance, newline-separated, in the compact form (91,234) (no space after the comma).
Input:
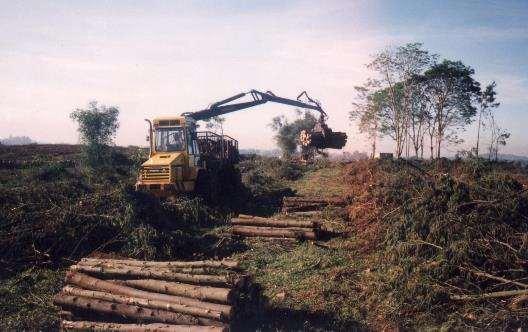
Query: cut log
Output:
(166,270)
(140,302)
(203,293)
(302,208)
(123,310)
(274,222)
(66,315)
(327,201)
(226,264)
(114,327)
(304,213)
(138,272)
(301,233)
(88,282)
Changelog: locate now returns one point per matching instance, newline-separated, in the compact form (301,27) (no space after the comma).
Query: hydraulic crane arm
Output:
(223,106)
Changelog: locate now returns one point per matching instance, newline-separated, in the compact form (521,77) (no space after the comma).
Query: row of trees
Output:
(423,104)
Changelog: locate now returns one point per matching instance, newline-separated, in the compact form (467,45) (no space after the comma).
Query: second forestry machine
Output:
(182,158)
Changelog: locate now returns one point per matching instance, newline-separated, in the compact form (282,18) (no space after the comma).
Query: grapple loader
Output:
(182,159)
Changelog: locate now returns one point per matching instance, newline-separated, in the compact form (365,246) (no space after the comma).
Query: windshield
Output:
(170,139)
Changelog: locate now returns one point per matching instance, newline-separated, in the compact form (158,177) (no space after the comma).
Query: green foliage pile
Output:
(53,214)
(309,288)
(445,230)
(265,182)
(25,300)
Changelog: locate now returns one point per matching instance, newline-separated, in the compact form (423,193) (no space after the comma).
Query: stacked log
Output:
(304,204)
(130,295)
(253,226)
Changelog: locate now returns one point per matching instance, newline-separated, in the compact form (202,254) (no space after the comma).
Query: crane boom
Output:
(223,107)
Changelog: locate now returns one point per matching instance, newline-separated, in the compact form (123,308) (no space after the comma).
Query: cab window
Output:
(170,139)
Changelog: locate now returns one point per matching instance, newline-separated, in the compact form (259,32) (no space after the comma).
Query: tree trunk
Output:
(114,327)
(431,146)
(226,264)
(87,282)
(203,293)
(439,144)
(275,223)
(124,310)
(302,233)
(138,272)
(136,301)
(478,133)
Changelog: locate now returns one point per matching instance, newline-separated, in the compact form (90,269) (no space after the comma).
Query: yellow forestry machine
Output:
(182,158)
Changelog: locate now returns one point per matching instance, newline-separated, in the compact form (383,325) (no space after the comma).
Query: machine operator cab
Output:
(174,156)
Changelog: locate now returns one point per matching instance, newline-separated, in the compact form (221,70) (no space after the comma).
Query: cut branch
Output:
(492,295)
(490,276)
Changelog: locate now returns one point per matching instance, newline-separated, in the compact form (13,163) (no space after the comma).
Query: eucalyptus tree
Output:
(487,102)
(451,89)
(367,110)
(98,126)
(397,70)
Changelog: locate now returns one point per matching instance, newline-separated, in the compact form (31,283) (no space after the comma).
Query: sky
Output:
(154,58)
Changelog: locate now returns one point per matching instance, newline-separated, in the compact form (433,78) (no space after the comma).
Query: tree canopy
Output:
(413,97)
(287,133)
(98,124)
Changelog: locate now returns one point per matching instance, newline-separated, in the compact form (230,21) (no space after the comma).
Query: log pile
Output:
(131,295)
(304,204)
(253,226)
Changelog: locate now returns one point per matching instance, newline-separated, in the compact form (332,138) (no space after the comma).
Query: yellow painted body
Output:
(170,172)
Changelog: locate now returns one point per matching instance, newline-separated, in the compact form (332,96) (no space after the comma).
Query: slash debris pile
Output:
(446,243)
(252,226)
(111,294)
(302,204)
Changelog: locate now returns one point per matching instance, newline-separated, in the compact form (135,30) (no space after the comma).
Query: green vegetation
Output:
(51,215)
(97,127)
(414,236)
(287,136)
(423,104)
(417,234)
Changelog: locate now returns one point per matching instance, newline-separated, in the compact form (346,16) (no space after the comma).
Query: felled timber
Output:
(123,310)
(129,295)
(88,282)
(225,264)
(296,204)
(249,231)
(203,293)
(132,271)
(266,222)
(311,200)
(67,325)
(140,302)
